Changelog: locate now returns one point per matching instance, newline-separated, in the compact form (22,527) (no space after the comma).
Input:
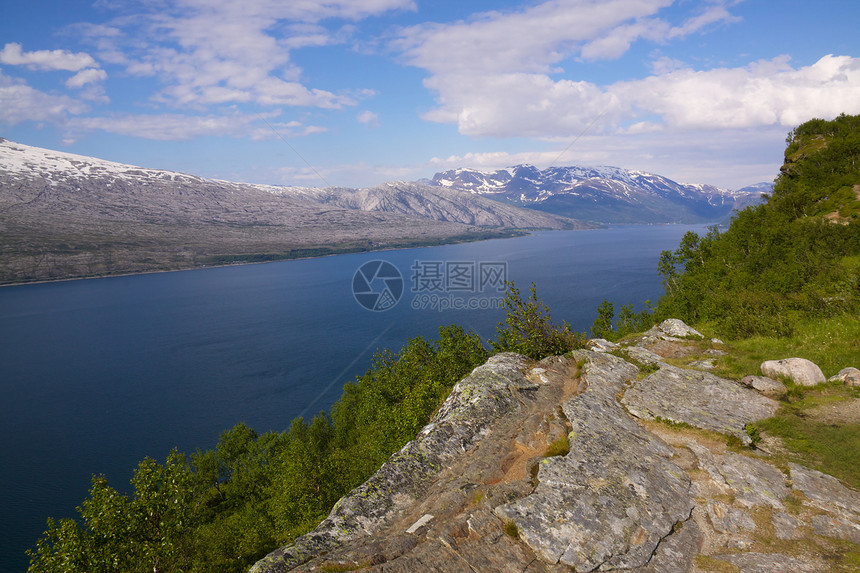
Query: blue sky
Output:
(367,91)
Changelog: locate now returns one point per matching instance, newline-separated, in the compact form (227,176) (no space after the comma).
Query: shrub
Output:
(528,328)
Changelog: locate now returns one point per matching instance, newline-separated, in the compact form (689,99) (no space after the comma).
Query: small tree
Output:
(528,328)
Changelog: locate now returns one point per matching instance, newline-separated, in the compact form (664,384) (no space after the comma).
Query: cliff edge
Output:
(583,462)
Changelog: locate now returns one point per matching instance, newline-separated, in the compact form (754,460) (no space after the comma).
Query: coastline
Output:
(275,258)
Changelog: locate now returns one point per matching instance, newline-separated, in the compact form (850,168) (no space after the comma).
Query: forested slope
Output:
(795,257)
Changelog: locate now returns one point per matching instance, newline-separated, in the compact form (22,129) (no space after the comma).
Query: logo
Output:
(377,285)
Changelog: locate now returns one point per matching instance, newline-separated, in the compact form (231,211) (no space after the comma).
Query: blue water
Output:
(97,374)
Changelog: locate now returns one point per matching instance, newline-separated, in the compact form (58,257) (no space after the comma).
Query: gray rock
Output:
(707,364)
(676,552)
(752,481)
(839,527)
(699,399)
(787,526)
(799,370)
(826,492)
(644,356)
(727,519)
(849,376)
(615,496)
(764,385)
(601,345)
(461,423)
(769,563)
(678,329)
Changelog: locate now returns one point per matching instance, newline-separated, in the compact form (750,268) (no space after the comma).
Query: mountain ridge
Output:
(606,194)
(69,216)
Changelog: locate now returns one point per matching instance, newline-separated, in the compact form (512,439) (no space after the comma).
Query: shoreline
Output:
(346,251)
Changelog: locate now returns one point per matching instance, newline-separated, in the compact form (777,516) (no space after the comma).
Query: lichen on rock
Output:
(612,499)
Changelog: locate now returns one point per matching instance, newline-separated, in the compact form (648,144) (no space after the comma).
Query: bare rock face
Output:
(699,399)
(764,385)
(615,496)
(826,492)
(768,563)
(464,419)
(678,329)
(798,370)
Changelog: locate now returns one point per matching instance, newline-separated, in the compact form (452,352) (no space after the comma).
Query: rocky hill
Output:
(605,194)
(64,215)
(591,461)
(434,202)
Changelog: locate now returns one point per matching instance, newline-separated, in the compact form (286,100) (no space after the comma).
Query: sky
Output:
(359,92)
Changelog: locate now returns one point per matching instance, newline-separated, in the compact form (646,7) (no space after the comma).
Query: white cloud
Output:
(493,74)
(368,118)
(209,52)
(48,60)
(87,76)
(765,93)
(19,102)
(529,40)
(179,127)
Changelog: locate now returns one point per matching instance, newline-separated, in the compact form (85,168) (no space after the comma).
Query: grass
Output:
(559,447)
(832,343)
(833,449)
(511,529)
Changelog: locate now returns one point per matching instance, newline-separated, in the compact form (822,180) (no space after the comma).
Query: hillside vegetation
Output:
(793,258)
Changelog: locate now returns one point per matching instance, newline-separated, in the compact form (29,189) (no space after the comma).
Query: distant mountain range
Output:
(602,194)
(65,215)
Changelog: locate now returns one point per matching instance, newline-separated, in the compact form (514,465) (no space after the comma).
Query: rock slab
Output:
(764,385)
(462,421)
(610,501)
(849,376)
(699,399)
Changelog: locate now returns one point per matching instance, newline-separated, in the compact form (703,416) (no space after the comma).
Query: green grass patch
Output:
(559,447)
(511,529)
(832,343)
(832,449)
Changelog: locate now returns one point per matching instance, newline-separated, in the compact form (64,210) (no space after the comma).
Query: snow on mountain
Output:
(606,194)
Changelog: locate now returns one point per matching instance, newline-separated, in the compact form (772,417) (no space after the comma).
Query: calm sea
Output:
(97,374)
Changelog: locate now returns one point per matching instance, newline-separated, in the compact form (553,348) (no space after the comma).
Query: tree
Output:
(528,328)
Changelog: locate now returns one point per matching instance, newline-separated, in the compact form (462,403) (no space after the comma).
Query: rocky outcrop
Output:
(699,399)
(799,370)
(648,483)
(475,403)
(615,496)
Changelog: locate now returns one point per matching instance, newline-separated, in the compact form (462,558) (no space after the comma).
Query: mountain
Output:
(604,194)
(65,215)
(434,202)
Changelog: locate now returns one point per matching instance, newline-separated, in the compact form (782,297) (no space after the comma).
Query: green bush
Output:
(528,328)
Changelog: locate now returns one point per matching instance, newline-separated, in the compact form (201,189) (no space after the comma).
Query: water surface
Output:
(97,374)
